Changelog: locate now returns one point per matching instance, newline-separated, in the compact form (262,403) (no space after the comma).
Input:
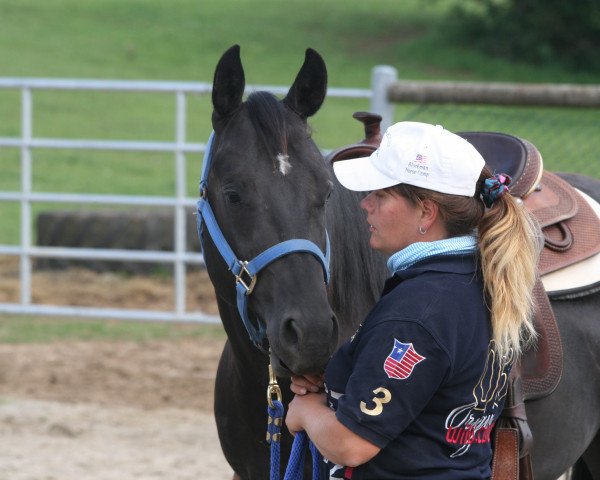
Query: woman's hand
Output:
(302,408)
(335,441)
(301,385)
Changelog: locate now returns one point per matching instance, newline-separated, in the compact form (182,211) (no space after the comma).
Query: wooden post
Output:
(495,93)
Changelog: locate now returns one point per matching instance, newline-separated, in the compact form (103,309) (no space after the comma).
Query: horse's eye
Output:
(233,197)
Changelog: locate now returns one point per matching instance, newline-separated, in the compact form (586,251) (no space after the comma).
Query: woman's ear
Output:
(429,213)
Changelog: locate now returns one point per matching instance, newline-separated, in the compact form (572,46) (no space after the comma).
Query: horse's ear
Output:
(229,83)
(308,92)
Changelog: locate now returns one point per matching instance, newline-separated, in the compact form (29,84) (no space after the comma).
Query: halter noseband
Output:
(245,272)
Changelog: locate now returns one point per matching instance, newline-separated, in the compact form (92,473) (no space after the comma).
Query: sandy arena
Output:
(108,410)
(116,410)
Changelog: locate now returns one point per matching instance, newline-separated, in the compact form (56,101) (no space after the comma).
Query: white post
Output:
(180,226)
(382,77)
(26,176)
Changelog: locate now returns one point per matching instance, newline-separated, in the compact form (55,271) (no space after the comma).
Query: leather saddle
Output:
(571,231)
(570,226)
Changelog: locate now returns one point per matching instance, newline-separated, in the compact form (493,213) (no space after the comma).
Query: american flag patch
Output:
(401,361)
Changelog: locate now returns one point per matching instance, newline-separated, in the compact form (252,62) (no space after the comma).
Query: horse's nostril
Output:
(290,332)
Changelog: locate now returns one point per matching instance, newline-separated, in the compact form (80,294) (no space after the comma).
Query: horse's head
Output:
(267,184)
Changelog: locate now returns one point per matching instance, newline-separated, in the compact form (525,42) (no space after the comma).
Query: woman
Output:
(417,390)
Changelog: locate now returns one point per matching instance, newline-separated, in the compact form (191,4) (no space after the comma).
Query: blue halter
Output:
(245,272)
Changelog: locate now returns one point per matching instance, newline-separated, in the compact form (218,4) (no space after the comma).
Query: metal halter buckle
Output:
(249,281)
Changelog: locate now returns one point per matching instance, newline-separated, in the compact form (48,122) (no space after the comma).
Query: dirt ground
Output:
(108,410)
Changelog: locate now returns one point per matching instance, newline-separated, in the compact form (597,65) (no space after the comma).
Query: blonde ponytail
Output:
(509,245)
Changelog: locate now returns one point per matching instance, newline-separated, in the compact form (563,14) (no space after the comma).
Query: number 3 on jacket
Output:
(378,401)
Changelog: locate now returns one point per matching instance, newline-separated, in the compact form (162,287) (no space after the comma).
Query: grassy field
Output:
(183,39)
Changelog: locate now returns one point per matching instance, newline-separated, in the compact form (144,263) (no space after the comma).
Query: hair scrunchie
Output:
(494,187)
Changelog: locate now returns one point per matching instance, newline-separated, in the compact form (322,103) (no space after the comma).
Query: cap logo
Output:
(418,167)
(421,158)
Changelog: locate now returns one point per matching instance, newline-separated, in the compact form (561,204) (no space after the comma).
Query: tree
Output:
(535,30)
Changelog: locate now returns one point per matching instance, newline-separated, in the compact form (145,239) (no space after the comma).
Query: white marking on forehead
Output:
(284,165)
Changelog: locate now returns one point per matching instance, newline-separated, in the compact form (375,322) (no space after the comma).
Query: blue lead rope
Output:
(295,466)
(274,436)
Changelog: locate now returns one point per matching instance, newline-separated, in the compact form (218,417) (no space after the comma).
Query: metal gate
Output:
(179,147)
(385,90)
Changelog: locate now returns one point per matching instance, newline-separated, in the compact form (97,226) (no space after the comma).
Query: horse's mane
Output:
(267,114)
(358,271)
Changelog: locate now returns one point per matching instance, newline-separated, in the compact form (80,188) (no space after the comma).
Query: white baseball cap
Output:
(418,154)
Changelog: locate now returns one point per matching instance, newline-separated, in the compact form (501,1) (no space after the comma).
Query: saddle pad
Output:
(578,279)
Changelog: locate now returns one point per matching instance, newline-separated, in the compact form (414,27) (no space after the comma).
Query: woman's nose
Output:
(366,202)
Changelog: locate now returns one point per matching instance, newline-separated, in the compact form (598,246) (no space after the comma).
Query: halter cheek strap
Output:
(245,272)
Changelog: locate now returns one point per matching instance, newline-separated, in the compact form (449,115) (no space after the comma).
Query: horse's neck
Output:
(234,328)
(357,272)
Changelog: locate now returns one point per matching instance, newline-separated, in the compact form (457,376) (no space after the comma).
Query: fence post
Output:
(180,225)
(26,188)
(382,77)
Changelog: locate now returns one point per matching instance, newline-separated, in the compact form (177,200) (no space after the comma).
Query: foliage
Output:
(542,31)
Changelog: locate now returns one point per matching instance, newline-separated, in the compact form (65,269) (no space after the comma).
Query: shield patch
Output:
(401,361)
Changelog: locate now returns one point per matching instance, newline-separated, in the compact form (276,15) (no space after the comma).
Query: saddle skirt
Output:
(579,275)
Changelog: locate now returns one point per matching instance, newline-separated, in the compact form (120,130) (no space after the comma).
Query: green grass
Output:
(182,40)
(26,329)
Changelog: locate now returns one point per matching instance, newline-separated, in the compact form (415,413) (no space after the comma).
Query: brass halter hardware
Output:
(273,388)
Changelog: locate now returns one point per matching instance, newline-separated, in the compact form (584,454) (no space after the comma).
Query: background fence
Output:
(567,136)
(179,201)
(562,120)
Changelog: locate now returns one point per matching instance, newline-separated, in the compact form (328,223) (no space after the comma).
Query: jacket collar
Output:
(460,264)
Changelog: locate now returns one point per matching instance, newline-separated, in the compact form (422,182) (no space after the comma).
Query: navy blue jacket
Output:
(420,378)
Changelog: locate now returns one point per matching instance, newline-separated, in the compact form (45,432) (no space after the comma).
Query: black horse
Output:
(269,183)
